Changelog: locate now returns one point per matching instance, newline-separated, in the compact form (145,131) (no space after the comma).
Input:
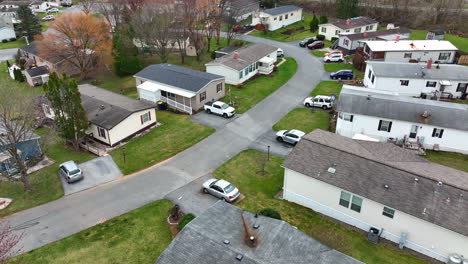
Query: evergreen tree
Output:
(29,25)
(314,24)
(323,20)
(18,75)
(126,61)
(8,63)
(65,99)
(347,9)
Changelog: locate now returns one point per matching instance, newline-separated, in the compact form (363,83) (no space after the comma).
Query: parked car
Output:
(322,101)
(219,108)
(280,53)
(53,10)
(66,4)
(307,41)
(342,75)
(222,189)
(334,52)
(289,136)
(70,171)
(48,18)
(316,45)
(335,57)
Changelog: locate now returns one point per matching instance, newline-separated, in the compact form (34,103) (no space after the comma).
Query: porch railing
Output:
(177,105)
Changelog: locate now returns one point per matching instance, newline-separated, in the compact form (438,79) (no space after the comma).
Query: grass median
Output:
(303,119)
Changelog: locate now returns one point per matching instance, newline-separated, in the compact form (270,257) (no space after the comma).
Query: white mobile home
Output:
(416,79)
(408,200)
(413,122)
(342,26)
(278,17)
(7,31)
(348,42)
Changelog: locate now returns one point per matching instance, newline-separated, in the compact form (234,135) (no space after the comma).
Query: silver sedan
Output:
(222,189)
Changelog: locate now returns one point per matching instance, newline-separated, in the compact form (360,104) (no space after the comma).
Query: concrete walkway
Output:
(70,214)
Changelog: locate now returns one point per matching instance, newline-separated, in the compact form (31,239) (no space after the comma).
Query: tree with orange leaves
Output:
(79,40)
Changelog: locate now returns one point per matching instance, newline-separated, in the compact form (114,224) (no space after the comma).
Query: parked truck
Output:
(219,108)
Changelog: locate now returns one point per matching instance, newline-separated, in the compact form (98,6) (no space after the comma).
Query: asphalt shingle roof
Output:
(378,33)
(364,168)
(248,55)
(201,241)
(353,22)
(281,10)
(419,71)
(107,109)
(369,103)
(36,71)
(33,49)
(180,77)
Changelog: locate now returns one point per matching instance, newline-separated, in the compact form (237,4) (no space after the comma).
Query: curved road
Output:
(70,214)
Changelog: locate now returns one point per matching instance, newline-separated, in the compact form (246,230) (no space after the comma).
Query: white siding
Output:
(399,56)
(273,24)
(331,30)
(424,237)
(7,33)
(452,139)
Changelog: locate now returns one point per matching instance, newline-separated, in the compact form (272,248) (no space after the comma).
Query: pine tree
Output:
(65,99)
(126,61)
(314,24)
(8,63)
(347,9)
(29,25)
(323,20)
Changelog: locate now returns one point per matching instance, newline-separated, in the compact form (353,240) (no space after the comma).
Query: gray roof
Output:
(33,49)
(419,71)
(180,77)
(378,33)
(18,3)
(29,135)
(107,109)
(387,106)
(353,22)
(201,241)
(364,168)
(248,55)
(37,71)
(281,10)
(6,21)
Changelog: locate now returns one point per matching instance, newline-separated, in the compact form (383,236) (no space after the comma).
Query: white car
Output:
(222,189)
(48,18)
(334,57)
(280,53)
(322,101)
(289,136)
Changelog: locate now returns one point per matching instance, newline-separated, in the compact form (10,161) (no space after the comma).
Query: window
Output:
(324,30)
(370,74)
(219,87)
(437,132)
(346,42)
(145,117)
(101,132)
(337,32)
(357,30)
(275,18)
(356,204)
(388,212)
(407,55)
(345,198)
(202,96)
(431,84)
(404,82)
(462,87)
(348,117)
(369,27)
(246,71)
(385,126)
(373,78)
(281,18)
(444,55)
(286,16)
(167,94)
(241,74)
(292,14)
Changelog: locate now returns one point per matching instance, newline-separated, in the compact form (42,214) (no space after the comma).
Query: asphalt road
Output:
(72,213)
(7,54)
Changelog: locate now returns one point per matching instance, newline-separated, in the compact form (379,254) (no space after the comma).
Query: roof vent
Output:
(424,211)
(439,183)
(416,180)
(256,226)
(331,170)
(386,186)
(425,114)
(239,257)
(448,200)
(226,242)
(369,97)
(102,107)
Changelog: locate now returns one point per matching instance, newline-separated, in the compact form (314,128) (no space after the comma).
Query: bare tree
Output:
(153,27)
(87,6)
(8,243)
(229,16)
(113,11)
(16,123)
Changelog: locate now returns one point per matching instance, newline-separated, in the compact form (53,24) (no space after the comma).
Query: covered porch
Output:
(6,164)
(266,65)
(175,98)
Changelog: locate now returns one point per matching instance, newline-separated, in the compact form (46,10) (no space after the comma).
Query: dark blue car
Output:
(342,75)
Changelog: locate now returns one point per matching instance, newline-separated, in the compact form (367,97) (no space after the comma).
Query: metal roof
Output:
(281,10)
(201,241)
(364,168)
(379,33)
(352,22)
(364,101)
(419,70)
(410,45)
(177,76)
(248,55)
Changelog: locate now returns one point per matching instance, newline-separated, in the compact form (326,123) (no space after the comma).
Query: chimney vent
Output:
(236,55)
(226,242)
(102,107)
(429,64)
(239,257)
(256,226)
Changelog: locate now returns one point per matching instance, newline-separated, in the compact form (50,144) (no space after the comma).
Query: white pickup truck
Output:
(219,108)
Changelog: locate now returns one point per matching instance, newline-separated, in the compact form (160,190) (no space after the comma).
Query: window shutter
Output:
(434,132)
(441,133)
(380,125)
(141,119)
(351,119)
(149,115)
(389,127)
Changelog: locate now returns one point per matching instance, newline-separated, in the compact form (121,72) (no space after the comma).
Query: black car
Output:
(66,4)
(307,41)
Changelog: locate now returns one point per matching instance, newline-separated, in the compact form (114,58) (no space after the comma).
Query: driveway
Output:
(96,171)
(211,120)
(72,213)
(8,54)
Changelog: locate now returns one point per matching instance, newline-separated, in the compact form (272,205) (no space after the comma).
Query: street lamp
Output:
(268,153)
(124,153)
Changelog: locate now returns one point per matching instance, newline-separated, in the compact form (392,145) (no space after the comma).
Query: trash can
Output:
(162,105)
(373,235)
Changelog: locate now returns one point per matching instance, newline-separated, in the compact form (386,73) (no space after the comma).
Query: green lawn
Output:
(333,67)
(139,236)
(459,42)
(13,44)
(298,35)
(47,186)
(176,134)
(450,159)
(256,90)
(122,85)
(327,88)
(6,79)
(318,53)
(243,171)
(303,119)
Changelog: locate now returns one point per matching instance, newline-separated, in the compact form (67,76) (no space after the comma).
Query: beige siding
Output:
(93,130)
(211,94)
(130,125)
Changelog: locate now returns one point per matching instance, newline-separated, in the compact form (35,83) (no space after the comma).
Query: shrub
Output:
(333,39)
(13,39)
(270,212)
(185,220)
(213,55)
(240,85)
(237,43)
(4,40)
(320,37)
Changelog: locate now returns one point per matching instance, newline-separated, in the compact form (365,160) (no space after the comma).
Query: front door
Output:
(413,131)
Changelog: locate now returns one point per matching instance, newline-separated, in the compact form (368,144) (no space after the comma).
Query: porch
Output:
(175,98)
